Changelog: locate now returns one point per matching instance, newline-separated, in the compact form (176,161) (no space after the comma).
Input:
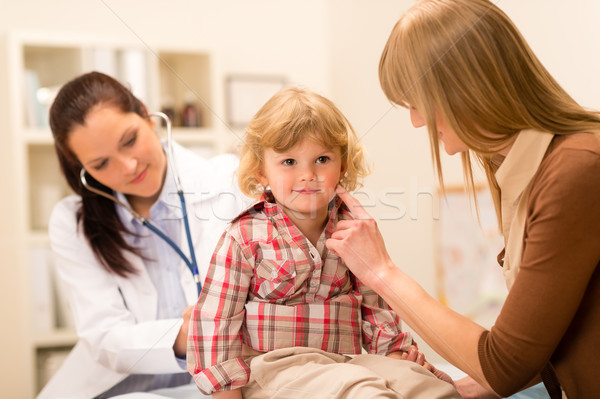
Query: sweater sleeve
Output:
(560,253)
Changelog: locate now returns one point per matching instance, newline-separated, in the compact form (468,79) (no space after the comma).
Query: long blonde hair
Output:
(467,61)
(290,116)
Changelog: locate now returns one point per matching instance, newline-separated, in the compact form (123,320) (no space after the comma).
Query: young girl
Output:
(278,312)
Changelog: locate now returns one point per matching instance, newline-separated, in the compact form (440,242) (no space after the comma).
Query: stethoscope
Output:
(191,261)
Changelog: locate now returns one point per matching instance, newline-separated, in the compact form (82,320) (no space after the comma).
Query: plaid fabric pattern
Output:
(268,288)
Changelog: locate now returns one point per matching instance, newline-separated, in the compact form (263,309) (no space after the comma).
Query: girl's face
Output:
(452,144)
(303,179)
(121,151)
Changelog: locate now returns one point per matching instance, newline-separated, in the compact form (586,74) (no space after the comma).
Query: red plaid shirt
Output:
(268,287)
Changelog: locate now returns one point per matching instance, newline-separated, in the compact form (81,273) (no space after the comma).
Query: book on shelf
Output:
(38,100)
(34,114)
(43,312)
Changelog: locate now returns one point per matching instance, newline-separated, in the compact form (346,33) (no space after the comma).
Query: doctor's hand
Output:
(180,345)
(360,244)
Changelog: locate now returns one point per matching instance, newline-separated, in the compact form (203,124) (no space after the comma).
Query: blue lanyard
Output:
(191,261)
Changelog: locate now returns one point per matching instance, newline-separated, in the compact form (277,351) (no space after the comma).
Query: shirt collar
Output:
(519,167)
(337,209)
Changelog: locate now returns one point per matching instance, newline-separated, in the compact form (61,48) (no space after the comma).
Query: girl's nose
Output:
(308,174)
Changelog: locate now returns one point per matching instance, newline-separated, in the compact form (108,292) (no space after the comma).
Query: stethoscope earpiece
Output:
(83,179)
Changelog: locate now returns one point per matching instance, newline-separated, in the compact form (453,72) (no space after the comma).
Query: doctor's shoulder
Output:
(69,245)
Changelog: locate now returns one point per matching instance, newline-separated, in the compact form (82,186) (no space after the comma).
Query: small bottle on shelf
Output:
(191,113)
(169,110)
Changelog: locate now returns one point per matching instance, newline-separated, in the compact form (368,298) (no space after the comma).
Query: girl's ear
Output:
(262,179)
(344,169)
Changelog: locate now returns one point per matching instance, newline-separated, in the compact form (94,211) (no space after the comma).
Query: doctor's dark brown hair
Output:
(98,216)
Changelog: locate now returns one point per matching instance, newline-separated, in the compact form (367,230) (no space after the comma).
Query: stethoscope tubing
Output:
(191,261)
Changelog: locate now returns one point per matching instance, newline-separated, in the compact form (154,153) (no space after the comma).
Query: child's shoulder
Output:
(252,225)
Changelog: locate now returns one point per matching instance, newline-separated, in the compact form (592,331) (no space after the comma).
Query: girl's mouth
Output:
(308,191)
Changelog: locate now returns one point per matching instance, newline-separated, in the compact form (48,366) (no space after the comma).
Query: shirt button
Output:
(314,283)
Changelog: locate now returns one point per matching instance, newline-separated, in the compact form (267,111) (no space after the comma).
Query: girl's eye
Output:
(323,159)
(289,162)
(101,165)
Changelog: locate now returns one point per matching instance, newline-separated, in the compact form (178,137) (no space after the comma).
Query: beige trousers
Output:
(314,374)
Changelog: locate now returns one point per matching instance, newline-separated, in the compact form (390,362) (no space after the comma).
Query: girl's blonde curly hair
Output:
(290,116)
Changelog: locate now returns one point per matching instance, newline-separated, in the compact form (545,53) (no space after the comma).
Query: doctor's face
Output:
(121,151)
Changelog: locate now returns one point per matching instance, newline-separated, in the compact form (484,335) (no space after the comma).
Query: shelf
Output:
(38,64)
(182,135)
(38,237)
(56,338)
(185,77)
(37,136)
(46,185)
(185,136)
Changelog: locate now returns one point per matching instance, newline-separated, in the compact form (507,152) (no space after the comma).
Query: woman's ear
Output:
(151,119)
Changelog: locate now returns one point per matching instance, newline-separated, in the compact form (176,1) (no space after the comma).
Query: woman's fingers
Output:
(342,229)
(359,243)
(355,207)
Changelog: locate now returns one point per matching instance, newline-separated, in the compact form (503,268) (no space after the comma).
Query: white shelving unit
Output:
(38,63)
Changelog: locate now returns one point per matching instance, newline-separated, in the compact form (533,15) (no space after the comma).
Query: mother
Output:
(464,71)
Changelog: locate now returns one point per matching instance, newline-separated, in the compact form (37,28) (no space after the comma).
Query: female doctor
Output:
(129,291)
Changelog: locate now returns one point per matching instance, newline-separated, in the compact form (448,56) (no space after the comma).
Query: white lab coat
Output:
(115,317)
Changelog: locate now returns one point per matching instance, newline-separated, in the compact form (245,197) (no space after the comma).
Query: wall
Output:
(332,46)
(13,337)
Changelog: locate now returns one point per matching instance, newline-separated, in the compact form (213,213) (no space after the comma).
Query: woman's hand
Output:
(470,389)
(180,345)
(415,356)
(360,244)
